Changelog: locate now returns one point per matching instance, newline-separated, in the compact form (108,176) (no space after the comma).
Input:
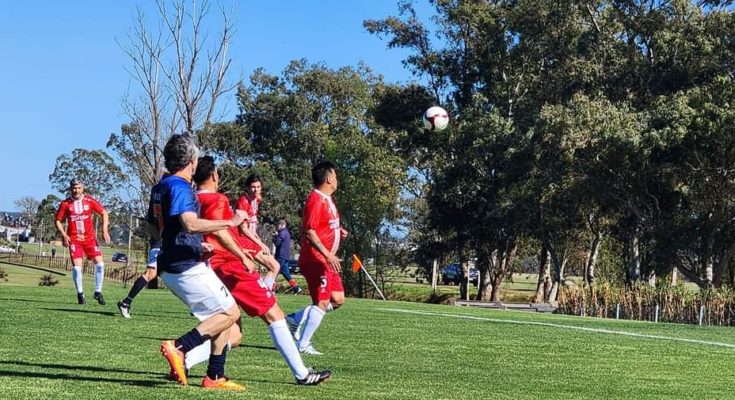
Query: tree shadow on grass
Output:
(107,313)
(81,368)
(33,300)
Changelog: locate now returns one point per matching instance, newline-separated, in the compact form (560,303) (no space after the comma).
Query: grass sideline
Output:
(53,348)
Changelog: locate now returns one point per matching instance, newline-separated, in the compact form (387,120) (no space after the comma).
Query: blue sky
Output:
(62,73)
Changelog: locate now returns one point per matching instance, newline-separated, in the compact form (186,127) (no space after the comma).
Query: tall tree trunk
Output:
(674,276)
(463,286)
(558,274)
(592,254)
(634,257)
(543,276)
(484,284)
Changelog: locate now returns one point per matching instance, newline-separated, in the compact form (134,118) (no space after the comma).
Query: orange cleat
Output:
(223,383)
(175,358)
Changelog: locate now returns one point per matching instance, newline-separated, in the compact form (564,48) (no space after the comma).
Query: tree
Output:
(44,228)
(28,207)
(182,73)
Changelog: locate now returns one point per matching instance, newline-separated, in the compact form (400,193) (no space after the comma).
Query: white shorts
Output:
(201,290)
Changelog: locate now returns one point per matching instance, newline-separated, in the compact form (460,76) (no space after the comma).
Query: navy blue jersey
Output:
(180,250)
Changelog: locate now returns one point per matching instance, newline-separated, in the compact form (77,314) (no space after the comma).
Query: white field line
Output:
(560,326)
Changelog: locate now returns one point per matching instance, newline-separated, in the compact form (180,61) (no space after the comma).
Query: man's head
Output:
(180,155)
(324,176)
(282,224)
(76,187)
(253,185)
(206,172)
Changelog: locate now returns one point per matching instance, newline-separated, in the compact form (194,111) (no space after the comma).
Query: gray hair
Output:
(180,150)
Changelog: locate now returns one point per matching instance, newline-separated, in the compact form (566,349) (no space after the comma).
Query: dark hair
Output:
(251,179)
(320,171)
(205,169)
(180,150)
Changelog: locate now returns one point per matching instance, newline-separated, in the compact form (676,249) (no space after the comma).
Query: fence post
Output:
(655,318)
(617,311)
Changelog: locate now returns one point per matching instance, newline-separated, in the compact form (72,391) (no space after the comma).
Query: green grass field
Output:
(51,348)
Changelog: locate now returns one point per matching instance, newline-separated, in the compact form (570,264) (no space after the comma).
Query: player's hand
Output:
(247,263)
(264,249)
(343,233)
(106,237)
(239,217)
(250,254)
(65,241)
(334,262)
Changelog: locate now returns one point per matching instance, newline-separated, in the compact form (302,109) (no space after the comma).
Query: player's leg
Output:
(208,300)
(329,296)
(94,253)
(272,268)
(215,377)
(150,274)
(201,353)
(286,272)
(76,252)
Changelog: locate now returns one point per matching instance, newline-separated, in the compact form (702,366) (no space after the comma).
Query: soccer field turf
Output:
(51,348)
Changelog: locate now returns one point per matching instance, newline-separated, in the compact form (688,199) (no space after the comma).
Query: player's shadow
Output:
(257,346)
(71,310)
(81,368)
(33,300)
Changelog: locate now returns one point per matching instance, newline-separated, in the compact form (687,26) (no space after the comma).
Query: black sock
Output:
(191,340)
(216,368)
(139,285)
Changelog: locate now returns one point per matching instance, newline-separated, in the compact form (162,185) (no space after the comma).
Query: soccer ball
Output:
(435,119)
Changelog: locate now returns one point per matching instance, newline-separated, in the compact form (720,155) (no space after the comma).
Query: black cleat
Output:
(314,377)
(81,299)
(99,298)
(124,309)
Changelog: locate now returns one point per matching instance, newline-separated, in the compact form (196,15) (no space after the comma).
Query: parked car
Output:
(453,274)
(119,257)
(293,266)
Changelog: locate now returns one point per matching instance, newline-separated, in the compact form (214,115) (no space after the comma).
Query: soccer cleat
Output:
(297,290)
(81,299)
(172,374)
(99,298)
(223,383)
(310,350)
(294,327)
(314,377)
(175,358)
(124,309)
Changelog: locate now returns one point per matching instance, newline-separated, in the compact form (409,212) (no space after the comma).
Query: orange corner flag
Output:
(356,263)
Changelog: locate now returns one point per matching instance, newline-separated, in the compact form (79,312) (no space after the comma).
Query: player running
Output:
(321,233)
(250,203)
(150,274)
(238,273)
(175,209)
(80,236)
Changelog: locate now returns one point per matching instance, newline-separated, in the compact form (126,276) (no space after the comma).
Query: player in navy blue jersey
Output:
(175,209)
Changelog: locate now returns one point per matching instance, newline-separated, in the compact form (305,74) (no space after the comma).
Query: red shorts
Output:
(322,280)
(79,249)
(249,291)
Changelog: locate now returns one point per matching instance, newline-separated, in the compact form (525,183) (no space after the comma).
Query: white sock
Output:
(99,276)
(313,316)
(201,354)
(284,343)
(298,316)
(76,276)
(330,307)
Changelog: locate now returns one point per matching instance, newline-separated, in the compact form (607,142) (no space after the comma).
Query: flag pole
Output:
(357,263)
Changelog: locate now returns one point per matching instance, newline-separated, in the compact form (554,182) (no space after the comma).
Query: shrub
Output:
(48,280)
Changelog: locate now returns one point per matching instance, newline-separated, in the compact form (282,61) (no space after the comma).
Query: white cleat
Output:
(310,350)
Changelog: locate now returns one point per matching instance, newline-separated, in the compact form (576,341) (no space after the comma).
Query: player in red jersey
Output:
(321,234)
(250,202)
(233,266)
(80,236)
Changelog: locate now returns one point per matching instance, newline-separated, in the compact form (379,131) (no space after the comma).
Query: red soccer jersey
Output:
(321,215)
(78,216)
(250,206)
(216,206)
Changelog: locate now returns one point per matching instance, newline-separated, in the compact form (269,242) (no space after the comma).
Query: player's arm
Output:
(62,232)
(254,237)
(332,260)
(105,226)
(225,239)
(193,224)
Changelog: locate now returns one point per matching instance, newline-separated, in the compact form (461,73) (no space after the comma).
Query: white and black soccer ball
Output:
(436,119)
